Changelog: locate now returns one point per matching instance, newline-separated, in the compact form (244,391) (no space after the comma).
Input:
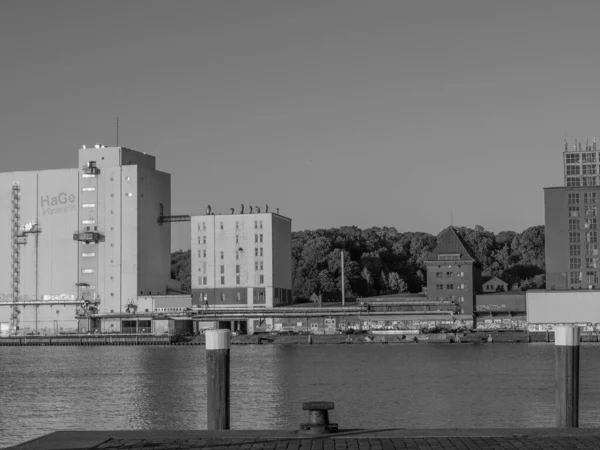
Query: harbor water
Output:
(45,389)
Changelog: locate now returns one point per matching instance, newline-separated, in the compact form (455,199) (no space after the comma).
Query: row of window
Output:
(258,225)
(586,169)
(449,257)
(258,238)
(449,274)
(441,287)
(203,281)
(590,249)
(582,181)
(588,211)
(573,158)
(577,277)
(590,236)
(258,251)
(588,197)
(590,263)
(588,224)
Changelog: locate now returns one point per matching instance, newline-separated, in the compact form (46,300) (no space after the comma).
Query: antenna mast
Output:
(117,131)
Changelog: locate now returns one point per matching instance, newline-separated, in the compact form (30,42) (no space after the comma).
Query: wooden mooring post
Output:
(566,343)
(218,343)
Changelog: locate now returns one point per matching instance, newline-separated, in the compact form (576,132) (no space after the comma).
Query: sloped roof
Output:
(451,242)
(495,280)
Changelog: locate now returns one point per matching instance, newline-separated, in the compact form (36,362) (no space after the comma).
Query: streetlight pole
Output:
(343,282)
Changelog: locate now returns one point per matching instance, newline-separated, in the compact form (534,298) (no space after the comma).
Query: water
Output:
(44,389)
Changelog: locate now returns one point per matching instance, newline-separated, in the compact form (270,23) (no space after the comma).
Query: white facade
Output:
(241,260)
(100,239)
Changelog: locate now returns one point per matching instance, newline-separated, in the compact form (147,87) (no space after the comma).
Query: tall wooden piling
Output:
(566,343)
(218,343)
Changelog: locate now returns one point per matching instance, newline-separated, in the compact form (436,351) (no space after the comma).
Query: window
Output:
(573,237)
(589,181)
(591,249)
(128,194)
(204,253)
(573,224)
(88,189)
(261,224)
(221,225)
(572,170)
(222,280)
(222,255)
(590,169)
(237,226)
(261,251)
(592,277)
(237,279)
(573,198)
(461,299)
(237,255)
(199,253)
(448,274)
(439,287)
(449,257)
(222,269)
(261,265)
(591,210)
(460,274)
(256,224)
(88,205)
(439,274)
(573,181)
(449,286)
(575,277)
(588,158)
(591,236)
(87,255)
(239,296)
(574,250)
(237,268)
(200,281)
(574,211)
(262,279)
(203,226)
(589,197)
(204,239)
(256,251)
(87,271)
(261,239)
(591,263)
(574,263)
(222,296)
(237,239)
(88,222)
(572,158)
(591,223)
(256,238)
(204,279)
(88,175)
(256,266)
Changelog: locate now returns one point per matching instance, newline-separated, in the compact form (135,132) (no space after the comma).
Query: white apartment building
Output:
(241,260)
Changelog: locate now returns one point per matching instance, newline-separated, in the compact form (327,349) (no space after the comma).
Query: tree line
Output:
(380,261)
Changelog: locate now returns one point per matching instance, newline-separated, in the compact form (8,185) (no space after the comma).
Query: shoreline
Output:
(474,337)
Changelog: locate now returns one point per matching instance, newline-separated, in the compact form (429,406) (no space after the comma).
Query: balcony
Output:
(87,236)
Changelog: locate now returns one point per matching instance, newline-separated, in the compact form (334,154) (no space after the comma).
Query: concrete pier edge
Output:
(72,440)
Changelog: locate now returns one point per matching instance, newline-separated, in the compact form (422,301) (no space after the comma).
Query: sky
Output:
(367,113)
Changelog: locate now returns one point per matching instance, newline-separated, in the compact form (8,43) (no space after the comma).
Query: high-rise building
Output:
(241,260)
(571,222)
(89,233)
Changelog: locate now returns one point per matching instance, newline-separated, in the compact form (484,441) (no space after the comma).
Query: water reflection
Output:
(44,389)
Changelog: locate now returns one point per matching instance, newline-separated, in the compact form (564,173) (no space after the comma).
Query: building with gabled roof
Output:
(453,272)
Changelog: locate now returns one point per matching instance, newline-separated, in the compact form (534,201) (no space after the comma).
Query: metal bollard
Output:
(217,379)
(318,418)
(566,343)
